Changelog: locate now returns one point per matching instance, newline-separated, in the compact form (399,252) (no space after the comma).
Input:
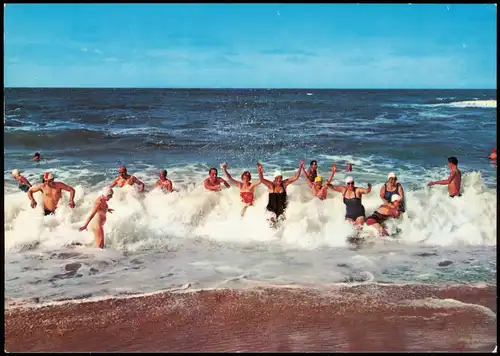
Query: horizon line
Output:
(245,88)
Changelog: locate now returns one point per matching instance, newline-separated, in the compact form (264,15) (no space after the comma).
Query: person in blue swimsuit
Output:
(390,188)
(23,182)
(355,211)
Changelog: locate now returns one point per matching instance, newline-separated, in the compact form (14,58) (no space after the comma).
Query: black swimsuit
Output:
(277,202)
(353,207)
(48,212)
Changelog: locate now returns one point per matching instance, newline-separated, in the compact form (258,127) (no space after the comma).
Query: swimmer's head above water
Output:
(452,162)
(163,174)
(48,179)
(246,176)
(123,171)
(396,200)
(349,182)
(318,181)
(36,156)
(16,173)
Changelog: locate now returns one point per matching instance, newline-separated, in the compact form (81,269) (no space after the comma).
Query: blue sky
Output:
(251,45)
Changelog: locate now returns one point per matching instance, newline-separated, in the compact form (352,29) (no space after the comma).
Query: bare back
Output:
(456,182)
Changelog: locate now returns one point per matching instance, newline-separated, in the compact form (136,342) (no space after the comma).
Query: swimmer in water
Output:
(246,187)
(318,189)
(390,188)
(312,172)
(385,212)
(348,168)
(454,181)
(493,154)
(23,182)
(124,178)
(277,193)
(164,183)
(52,192)
(36,156)
(355,211)
(100,209)
(213,182)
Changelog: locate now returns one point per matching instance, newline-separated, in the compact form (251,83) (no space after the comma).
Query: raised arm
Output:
(253,185)
(444,181)
(231,179)
(309,183)
(365,190)
(36,188)
(289,181)
(260,171)
(306,174)
(330,178)
(91,216)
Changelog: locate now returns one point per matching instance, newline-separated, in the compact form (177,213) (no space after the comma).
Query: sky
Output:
(385,46)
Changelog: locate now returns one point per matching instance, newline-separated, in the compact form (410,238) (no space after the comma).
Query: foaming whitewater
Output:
(199,239)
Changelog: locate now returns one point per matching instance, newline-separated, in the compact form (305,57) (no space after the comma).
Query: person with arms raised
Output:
(246,187)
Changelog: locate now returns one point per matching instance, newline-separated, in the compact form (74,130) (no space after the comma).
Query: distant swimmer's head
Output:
(48,178)
(396,199)
(163,173)
(452,161)
(16,173)
(318,180)
(107,192)
(123,171)
(246,176)
(349,182)
(348,168)
(314,164)
(391,177)
(213,172)
(36,156)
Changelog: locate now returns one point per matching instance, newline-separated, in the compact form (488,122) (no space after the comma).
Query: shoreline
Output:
(367,317)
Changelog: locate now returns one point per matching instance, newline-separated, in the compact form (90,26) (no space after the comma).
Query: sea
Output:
(192,239)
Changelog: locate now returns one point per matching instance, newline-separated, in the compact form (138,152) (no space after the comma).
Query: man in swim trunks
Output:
(213,182)
(164,183)
(454,181)
(52,192)
(124,178)
(312,172)
(318,189)
(101,209)
(384,212)
(246,187)
(277,203)
(24,184)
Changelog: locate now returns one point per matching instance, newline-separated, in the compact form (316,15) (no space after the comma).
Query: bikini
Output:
(277,201)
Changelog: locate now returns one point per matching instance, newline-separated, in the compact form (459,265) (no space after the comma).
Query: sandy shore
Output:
(362,318)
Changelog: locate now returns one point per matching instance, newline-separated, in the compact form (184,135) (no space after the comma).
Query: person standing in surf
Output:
(277,193)
(101,208)
(355,211)
(164,183)
(385,212)
(318,189)
(22,181)
(213,182)
(52,192)
(312,172)
(246,187)
(454,181)
(124,178)
(390,188)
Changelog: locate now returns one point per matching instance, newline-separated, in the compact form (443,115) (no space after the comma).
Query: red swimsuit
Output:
(247,197)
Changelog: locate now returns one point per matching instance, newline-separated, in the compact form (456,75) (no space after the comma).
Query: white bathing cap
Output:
(395,197)
(349,179)
(16,172)
(391,175)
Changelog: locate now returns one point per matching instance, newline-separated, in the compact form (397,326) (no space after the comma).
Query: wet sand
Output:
(361,318)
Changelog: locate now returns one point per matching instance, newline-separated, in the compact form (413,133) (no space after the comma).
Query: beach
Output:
(350,318)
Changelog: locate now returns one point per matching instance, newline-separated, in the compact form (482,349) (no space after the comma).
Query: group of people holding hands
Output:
(391,193)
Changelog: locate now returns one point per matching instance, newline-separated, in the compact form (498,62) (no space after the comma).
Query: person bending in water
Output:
(23,182)
(51,194)
(390,188)
(100,209)
(277,193)
(355,211)
(454,181)
(213,182)
(312,172)
(164,183)
(246,187)
(384,212)
(318,189)
(124,178)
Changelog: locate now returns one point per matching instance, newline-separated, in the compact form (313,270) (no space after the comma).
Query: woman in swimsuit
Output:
(101,209)
(318,189)
(23,183)
(384,212)
(277,193)
(355,211)
(390,188)
(246,187)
